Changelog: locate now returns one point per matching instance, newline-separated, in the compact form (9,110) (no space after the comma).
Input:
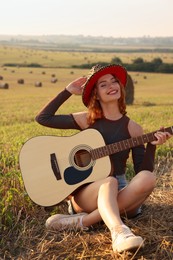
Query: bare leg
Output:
(103,201)
(138,189)
(100,194)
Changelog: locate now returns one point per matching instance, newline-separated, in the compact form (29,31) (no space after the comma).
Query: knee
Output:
(147,181)
(109,183)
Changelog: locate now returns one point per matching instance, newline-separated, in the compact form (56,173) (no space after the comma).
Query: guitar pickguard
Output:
(73,176)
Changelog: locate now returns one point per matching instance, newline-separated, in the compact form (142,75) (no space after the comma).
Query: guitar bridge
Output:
(54,165)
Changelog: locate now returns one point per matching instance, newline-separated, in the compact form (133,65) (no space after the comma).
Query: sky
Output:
(116,18)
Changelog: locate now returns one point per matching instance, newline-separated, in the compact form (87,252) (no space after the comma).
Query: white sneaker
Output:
(124,240)
(66,222)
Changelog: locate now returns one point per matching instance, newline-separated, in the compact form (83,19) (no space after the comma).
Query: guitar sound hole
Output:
(82,158)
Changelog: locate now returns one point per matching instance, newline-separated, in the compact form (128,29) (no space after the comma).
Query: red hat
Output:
(98,71)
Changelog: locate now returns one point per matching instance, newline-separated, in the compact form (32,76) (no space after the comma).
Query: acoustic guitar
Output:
(53,167)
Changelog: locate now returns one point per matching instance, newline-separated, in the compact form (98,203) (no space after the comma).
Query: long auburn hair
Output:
(95,110)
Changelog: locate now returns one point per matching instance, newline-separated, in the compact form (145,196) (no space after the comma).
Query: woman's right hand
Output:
(76,86)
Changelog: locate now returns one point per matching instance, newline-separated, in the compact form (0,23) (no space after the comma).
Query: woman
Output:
(103,93)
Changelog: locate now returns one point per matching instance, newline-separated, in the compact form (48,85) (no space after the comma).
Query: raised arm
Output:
(47,116)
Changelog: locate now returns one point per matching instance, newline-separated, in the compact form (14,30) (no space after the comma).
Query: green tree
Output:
(138,61)
(157,61)
(116,60)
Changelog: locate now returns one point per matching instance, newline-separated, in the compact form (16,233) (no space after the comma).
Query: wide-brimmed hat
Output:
(98,71)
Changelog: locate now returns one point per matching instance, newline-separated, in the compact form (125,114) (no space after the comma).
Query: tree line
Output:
(138,64)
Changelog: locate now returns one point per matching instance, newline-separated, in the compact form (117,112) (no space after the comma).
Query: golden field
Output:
(22,232)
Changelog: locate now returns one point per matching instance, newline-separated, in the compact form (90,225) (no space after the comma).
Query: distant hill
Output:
(88,43)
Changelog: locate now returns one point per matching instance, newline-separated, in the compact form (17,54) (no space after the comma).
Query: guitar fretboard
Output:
(125,144)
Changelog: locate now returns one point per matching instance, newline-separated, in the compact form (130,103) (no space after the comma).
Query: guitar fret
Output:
(100,152)
(130,142)
(140,139)
(119,146)
(122,146)
(112,148)
(151,136)
(93,154)
(126,144)
(137,141)
(96,153)
(115,148)
(145,139)
(134,141)
(109,149)
(104,151)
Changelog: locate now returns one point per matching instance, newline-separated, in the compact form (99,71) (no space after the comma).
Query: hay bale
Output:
(1,77)
(4,86)
(38,84)
(129,90)
(54,80)
(20,81)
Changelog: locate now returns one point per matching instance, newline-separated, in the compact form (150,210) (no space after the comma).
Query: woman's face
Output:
(108,89)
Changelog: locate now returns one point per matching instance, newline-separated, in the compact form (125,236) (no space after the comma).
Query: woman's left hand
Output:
(162,137)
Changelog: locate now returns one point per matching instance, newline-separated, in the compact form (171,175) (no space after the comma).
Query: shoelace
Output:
(73,222)
(124,232)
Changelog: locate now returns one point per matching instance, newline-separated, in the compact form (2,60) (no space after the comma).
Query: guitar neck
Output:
(126,144)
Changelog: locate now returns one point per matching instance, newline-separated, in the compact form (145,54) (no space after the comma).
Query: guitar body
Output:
(54,167)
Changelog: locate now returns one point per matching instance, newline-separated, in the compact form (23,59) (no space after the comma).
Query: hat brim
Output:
(117,70)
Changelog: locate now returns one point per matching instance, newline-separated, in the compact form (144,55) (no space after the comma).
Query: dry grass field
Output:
(22,231)
(10,54)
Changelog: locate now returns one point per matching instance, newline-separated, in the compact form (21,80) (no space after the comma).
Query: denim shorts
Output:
(122,181)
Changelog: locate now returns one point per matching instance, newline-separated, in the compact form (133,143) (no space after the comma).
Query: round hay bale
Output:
(20,81)
(38,84)
(1,78)
(4,86)
(129,89)
(54,80)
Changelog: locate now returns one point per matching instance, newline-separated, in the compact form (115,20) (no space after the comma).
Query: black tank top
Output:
(115,131)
